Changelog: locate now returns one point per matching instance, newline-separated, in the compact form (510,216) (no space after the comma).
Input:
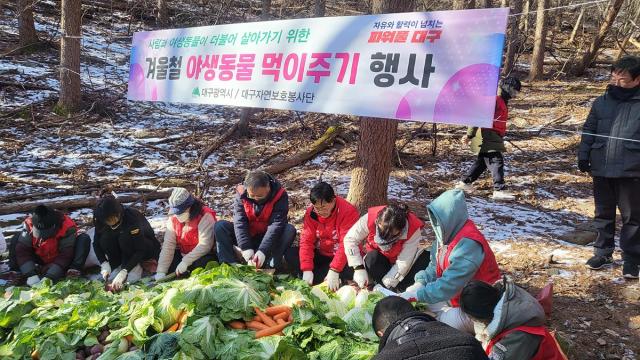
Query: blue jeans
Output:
(226,239)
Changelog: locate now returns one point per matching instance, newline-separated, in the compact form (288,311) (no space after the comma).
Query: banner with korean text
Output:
(438,66)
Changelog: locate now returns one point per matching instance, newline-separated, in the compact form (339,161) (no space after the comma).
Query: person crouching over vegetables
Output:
(188,239)
(49,246)
(123,240)
(391,234)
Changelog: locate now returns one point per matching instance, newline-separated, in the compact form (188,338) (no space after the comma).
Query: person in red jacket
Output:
(392,235)
(321,252)
(49,246)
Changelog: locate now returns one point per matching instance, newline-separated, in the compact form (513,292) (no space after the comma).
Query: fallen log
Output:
(217,143)
(86,202)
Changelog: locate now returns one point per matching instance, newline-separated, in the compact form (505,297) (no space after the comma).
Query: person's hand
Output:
(258,259)
(159,276)
(415,287)
(181,268)
(361,278)
(333,280)
(584,165)
(390,282)
(409,295)
(118,282)
(105,270)
(247,255)
(73,273)
(33,280)
(307,276)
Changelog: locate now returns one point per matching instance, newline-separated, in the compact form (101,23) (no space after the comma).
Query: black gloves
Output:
(584,165)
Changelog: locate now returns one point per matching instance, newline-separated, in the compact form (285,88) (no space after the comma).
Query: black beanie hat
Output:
(109,206)
(479,299)
(44,220)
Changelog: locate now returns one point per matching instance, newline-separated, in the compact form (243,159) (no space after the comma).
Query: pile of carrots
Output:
(182,319)
(269,322)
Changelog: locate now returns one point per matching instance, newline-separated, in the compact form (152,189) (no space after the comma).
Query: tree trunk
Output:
(524,25)
(70,56)
(26,28)
(514,40)
(266,9)
(245,117)
(537,58)
(163,13)
(458,4)
(483,4)
(320,6)
(623,45)
(590,54)
(371,168)
(574,32)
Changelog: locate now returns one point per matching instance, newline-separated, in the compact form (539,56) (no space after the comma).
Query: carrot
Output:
(173,328)
(265,318)
(238,325)
(271,331)
(280,321)
(129,338)
(35,355)
(182,318)
(283,315)
(256,325)
(290,319)
(274,310)
(256,318)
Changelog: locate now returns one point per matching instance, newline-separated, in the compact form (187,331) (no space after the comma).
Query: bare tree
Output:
(524,24)
(266,9)
(320,7)
(539,43)
(590,55)
(514,41)
(71,20)
(163,13)
(371,168)
(574,32)
(463,4)
(483,4)
(26,28)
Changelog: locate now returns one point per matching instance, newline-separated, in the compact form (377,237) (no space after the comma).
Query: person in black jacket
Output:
(407,334)
(123,240)
(610,152)
(260,225)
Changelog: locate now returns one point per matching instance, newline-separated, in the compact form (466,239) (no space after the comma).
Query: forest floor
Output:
(153,146)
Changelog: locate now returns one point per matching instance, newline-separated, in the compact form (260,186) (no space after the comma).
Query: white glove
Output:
(33,280)
(415,287)
(258,259)
(248,255)
(361,278)
(181,268)
(410,295)
(333,280)
(159,276)
(118,281)
(105,270)
(390,282)
(308,277)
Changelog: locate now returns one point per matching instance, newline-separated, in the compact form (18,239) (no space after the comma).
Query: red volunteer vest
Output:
(500,116)
(187,240)
(488,271)
(47,249)
(259,224)
(548,349)
(414,225)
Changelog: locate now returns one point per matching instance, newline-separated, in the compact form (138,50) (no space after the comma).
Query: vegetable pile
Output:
(220,312)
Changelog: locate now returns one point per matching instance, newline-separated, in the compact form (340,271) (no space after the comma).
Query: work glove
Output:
(159,276)
(415,287)
(73,273)
(307,276)
(333,280)
(584,166)
(361,278)
(105,270)
(181,268)
(118,282)
(258,259)
(390,282)
(248,255)
(33,280)
(409,295)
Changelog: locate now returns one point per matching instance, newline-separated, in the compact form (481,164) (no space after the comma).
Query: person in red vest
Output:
(321,253)
(459,254)
(188,239)
(49,246)
(392,256)
(488,144)
(260,225)
(509,322)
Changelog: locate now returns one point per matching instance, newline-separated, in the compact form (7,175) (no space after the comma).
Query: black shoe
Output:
(598,262)
(630,270)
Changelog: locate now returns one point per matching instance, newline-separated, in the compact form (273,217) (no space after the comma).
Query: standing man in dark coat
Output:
(610,152)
